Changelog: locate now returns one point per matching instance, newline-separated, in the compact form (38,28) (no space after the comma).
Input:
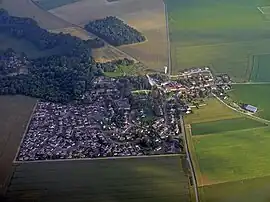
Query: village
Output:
(111,121)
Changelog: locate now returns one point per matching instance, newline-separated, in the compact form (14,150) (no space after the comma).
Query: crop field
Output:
(261,69)
(223,34)
(233,156)
(225,125)
(254,94)
(213,111)
(152,179)
(147,17)
(26,8)
(15,113)
(251,190)
(50,4)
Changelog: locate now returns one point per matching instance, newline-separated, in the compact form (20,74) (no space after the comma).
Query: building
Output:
(250,108)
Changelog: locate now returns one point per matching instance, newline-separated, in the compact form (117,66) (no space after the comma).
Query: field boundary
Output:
(190,161)
(246,114)
(25,131)
(168,39)
(97,159)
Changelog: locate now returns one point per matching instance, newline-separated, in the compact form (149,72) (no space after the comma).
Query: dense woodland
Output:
(59,78)
(28,29)
(114,31)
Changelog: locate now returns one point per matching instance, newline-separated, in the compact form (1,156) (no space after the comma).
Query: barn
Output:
(250,108)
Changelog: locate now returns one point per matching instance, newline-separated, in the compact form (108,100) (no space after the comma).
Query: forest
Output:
(114,31)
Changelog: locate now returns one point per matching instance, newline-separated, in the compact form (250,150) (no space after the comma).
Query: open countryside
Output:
(15,112)
(222,34)
(138,179)
(254,94)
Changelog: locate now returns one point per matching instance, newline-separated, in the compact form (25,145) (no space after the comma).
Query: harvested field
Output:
(14,116)
(234,155)
(150,179)
(50,4)
(147,17)
(213,111)
(224,125)
(26,8)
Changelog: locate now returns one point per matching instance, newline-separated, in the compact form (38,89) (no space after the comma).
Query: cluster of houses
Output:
(107,124)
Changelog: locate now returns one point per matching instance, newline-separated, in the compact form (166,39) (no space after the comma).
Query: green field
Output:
(257,95)
(224,125)
(233,156)
(213,111)
(154,179)
(260,69)
(15,112)
(123,71)
(252,190)
(51,4)
(223,34)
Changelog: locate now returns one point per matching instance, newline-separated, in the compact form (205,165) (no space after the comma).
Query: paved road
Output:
(168,40)
(192,170)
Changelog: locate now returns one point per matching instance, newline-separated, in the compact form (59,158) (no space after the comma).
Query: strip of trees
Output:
(114,31)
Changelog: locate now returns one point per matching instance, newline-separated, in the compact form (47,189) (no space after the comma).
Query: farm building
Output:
(250,108)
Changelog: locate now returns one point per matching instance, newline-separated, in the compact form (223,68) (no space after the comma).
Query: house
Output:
(250,108)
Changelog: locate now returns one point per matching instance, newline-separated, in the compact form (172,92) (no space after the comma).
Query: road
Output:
(190,163)
(168,40)
(246,114)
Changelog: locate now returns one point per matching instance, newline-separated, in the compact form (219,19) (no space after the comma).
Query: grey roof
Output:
(251,108)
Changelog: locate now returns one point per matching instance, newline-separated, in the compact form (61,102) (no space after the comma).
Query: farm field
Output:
(213,111)
(15,113)
(152,179)
(50,4)
(202,33)
(26,8)
(147,17)
(251,190)
(254,94)
(233,156)
(260,69)
(225,125)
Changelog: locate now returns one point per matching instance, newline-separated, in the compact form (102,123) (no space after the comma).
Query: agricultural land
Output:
(222,34)
(153,179)
(15,112)
(148,17)
(254,94)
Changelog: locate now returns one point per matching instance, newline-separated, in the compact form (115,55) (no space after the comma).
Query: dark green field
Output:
(224,125)
(254,94)
(15,112)
(261,68)
(252,190)
(21,45)
(155,179)
(223,34)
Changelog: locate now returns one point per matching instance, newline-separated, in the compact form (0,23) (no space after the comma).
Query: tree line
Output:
(28,29)
(114,31)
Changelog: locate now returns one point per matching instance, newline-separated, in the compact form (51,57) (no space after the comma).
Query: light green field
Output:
(233,156)
(252,190)
(257,95)
(223,34)
(123,71)
(224,125)
(260,69)
(51,4)
(155,179)
(213,111)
